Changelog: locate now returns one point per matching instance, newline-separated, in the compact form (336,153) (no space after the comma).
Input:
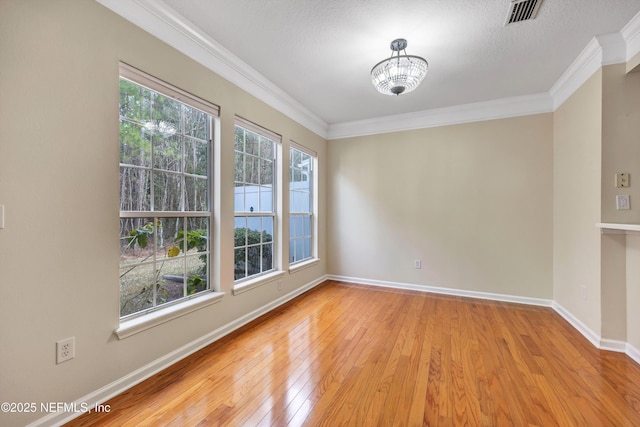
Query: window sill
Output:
(303,264)
(258,281)
(133,326)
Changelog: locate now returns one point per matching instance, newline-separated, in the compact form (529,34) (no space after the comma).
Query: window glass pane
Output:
(306,224)
(135,101)
(196,123)
(267,227)
(167,189)
(299,226)
(292,228)
(253,260)
(240,231)
(266,172)
(167,230)
(266,148)
(136,289)
(252,143)
(167,153)
(135,189)
(292,250)
(238,198)
(297,158)
(137,240)
(165,120)
(239,168)
(239,138)
(267,257)
(171,277)
(299,250)
(135,144)
(292,195)
(196,197)
(254,224)
(197,273)
(252,198)
(307,248)
(252,170)
(195,157)
(266,199)
(240,263)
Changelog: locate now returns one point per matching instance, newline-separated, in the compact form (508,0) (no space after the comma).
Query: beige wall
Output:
(59,184)
(633,291)
(472,201)
(577,130)
(620,141)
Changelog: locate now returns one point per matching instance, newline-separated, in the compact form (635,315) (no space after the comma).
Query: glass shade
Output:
(399,74)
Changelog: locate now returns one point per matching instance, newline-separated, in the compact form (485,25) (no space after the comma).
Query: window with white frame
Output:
(254,200)
(301,203)
(165,193)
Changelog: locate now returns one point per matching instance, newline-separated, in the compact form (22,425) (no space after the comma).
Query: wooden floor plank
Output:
(352,355)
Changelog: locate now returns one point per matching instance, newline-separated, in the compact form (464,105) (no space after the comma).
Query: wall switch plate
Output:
(622,180)
(622,202)
(418,264)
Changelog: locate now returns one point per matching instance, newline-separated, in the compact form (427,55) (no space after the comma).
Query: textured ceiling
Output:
(320,52)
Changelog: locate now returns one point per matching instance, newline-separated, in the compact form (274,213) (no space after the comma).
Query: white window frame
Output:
(312,214)
(139,321)
(250,281)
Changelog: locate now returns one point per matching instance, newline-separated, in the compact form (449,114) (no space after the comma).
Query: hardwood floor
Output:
(348,355)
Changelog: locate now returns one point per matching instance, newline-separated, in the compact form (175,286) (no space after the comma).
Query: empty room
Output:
(340,213)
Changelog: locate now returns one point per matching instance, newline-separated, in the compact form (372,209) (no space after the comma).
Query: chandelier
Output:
(399,74)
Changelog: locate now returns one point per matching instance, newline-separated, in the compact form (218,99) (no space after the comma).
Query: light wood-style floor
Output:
(349,355)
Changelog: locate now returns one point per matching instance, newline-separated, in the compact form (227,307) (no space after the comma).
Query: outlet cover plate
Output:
(65,349)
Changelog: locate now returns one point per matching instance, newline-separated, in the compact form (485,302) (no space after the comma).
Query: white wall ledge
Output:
(612,228)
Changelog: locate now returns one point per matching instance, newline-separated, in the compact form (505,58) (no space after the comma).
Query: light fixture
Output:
(399,74)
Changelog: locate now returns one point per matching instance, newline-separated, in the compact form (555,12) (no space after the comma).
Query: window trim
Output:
(133,323)
(313,258)
(249,282)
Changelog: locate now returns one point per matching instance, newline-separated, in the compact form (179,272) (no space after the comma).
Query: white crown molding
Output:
(631,35)
(167,25)
(584,66)
(614,48)
(479,111)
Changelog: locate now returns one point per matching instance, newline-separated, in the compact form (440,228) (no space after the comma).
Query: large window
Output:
(301,204)
(255,211)
(165,193)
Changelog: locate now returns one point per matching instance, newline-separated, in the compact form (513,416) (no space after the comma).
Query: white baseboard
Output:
(445,291)
(122,384)
(587,332)
(633,353)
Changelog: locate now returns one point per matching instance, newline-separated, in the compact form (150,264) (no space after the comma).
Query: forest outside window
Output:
(165,194)
(254,200)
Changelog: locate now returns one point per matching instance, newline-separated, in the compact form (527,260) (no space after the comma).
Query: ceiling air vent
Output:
(522,10)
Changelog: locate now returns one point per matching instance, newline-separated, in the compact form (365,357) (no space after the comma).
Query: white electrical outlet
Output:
(622,202)
(65,350)
(418,264)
